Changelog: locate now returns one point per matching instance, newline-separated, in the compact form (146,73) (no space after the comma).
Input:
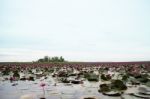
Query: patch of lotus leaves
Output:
(143,80)
(62,74)
(89,98)
(105,77)
(118,85)
(16,74)
(133,81)
(72,74)
(125,77)
(92,77)
(148,84)
(86,75)
(31,78)
(64,80)
(5,72)
(51,70)
(104,88)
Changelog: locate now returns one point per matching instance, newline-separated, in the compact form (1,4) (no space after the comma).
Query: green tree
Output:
(52,59)
(41,60)
(46,59)
(61,59)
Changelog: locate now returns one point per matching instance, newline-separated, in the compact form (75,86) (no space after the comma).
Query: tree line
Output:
(51,59)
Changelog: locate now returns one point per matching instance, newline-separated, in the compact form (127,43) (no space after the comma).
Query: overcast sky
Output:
(78,30)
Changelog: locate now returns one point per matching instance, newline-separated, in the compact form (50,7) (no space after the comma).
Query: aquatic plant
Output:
(105,77)
(43,85)
(104,88)
(118,85)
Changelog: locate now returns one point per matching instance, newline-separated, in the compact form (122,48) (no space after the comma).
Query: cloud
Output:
(80,30)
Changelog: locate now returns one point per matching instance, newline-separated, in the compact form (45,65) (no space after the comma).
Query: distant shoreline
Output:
(132,62)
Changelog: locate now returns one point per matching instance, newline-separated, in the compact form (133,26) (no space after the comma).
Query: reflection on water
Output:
(61,91)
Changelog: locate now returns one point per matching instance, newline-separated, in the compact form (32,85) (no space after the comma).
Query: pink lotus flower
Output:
(42,85)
